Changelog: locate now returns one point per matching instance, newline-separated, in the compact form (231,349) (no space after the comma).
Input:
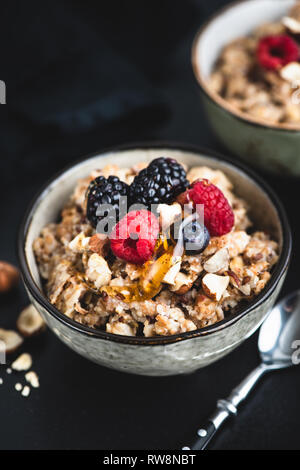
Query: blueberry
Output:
(195,237)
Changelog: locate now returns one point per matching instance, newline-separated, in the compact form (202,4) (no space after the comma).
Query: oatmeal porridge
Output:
(260,74)
(147,272)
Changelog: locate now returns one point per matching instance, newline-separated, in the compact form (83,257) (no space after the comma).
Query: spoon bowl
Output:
(279,333)
(279,336)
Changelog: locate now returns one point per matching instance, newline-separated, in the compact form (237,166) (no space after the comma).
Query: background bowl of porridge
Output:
(262,135)
(157,355)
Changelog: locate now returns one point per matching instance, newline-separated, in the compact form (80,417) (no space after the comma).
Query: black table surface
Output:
(80,405)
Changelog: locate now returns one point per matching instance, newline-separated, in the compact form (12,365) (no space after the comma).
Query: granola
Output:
(89,284)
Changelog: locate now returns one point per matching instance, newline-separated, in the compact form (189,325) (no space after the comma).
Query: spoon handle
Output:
(226,408)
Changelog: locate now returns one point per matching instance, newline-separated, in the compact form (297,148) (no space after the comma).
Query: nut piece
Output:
(9,276)
(182,284)
(33,379)
(99,243)
(173,271)
(291,72)
(30,321)
(218,261)
(168,214)
(217,177)
(215,286)
(25,392)
(80,243)
(292,24)
(246,289)
(98,271)
(23,362)
(11,339)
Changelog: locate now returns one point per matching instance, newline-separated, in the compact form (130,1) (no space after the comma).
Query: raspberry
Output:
(133,238)
(273,52)
(218,215)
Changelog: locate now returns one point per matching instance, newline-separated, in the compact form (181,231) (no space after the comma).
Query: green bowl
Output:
(274,147)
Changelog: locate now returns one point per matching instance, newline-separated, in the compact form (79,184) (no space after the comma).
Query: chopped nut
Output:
(234,278)
(133,271)
(168,214)
(237,264)
(80,243)
(245,289)
(18,387)
(33,379)
(122,325)
(214,285)
(98,271)
(172,273)
(292,24)
(236,242)
(11,339)
(219,261)
(99,243)
(9,276)
(23,362)
(182,284)
(217,177)
(30,321)
(8,370)
(26,391)
(291,72)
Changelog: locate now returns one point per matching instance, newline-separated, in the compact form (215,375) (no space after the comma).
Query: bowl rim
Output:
(214,97)
(280,267)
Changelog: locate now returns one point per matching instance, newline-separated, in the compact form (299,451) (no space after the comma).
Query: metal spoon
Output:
(279,347)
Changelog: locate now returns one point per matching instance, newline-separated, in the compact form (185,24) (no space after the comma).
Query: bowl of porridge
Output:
(167,283)
(246,60)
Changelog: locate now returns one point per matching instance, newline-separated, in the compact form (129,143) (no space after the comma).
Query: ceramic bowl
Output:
(163,355)
(273,147)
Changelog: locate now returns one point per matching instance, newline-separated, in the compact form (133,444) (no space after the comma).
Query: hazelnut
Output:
(215,286)
(99,243)
(30,321)
(182,284)
(172,273)
(11,339)
(218,261)
(9,276)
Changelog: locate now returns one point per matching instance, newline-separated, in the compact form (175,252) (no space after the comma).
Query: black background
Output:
(72,71)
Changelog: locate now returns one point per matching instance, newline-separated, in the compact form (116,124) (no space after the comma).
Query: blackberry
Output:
(106,191)
(161,182)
